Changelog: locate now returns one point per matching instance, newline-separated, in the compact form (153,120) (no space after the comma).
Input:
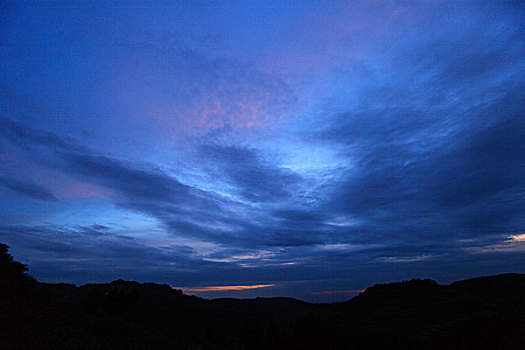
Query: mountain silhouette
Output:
(478,313)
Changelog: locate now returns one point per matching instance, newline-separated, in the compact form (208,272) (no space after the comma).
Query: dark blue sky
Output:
(312,147)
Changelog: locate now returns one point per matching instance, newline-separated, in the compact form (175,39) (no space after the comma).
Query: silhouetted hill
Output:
(479,313)
(29,319)
(169,312)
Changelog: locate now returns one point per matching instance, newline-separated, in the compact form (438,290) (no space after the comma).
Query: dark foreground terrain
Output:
(480,313)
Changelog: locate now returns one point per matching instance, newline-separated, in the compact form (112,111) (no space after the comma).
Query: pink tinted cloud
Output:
(194,92)
(236,111)
(78,190)
(65,187)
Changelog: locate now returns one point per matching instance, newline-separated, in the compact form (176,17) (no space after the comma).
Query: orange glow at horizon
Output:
(225,288)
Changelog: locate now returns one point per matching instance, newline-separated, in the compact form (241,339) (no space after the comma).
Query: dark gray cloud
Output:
(29,189)
(149,184)
(18,134)
(255,179)
(184,210)
(448,169)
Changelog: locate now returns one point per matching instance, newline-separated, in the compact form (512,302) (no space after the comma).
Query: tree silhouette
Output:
(13,277)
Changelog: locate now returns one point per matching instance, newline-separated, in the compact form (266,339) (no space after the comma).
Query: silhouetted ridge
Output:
(478,313)
(406,288)
(504,284)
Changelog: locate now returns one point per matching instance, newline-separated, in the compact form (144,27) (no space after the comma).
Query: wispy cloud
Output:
(518,237)
(29,189)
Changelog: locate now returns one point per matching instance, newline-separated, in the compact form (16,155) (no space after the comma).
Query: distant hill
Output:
(479,313)
(170,313)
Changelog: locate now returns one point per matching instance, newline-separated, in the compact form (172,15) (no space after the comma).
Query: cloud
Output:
(255,179)
(202,90)
(518,238)
(185,210)
(149,184)
(28,189)
(18,133)
(84,253)
(436,163)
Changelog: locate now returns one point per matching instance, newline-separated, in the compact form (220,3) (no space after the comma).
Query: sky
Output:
(252,148)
